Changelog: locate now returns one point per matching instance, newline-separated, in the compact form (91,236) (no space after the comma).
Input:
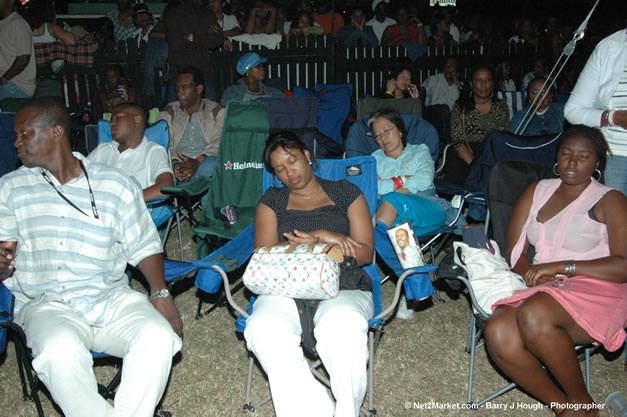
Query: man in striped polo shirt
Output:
(68,227)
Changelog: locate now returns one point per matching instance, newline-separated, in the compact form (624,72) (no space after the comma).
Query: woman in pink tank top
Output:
(577,280)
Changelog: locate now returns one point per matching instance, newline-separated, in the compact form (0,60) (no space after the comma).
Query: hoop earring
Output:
(555,170)
(600,174)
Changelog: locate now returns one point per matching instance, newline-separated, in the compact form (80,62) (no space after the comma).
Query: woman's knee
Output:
(501,333)
(535,317)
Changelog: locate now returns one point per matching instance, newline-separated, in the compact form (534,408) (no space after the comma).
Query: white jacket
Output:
(598,81)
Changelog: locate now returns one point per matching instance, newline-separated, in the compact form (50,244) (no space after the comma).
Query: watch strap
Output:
(164,293)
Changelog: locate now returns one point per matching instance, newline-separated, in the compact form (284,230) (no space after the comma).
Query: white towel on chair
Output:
(270,41)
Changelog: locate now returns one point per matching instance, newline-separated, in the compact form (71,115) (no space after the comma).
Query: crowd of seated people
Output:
(189,30)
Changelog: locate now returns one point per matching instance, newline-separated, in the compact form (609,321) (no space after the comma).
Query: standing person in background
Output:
(143,21)
(17,54)
(156,59)
(190,41)
(122,19)
(228,23)
(599,99)
(40,17)
(380,21)
(330,20)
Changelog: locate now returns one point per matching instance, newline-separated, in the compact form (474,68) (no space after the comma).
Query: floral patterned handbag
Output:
(305,271)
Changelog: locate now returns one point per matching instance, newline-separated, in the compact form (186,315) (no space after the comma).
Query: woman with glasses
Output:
(405,176)
(547,116)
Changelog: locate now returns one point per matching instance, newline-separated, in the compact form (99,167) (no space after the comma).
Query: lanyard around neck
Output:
(91,193)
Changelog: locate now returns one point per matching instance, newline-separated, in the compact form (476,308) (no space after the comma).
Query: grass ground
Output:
(420,364)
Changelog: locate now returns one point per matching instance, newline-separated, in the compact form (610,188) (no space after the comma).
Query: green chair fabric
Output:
(237,179)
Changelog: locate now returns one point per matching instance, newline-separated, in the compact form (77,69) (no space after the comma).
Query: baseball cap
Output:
(140,8)
(248,61)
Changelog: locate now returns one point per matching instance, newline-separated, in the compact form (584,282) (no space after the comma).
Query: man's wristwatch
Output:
(164,293)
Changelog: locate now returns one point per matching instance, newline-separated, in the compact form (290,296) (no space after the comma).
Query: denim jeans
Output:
(10,90)
(615,174)
(156,58)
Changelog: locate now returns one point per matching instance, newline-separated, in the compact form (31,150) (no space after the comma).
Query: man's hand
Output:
(166,307)
(183,171)
(227,45)
(391,85)
(213,28)
(7,259)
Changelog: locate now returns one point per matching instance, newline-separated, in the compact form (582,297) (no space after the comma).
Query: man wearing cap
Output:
(143,21)
(195,127)
(251,86)
(380,21)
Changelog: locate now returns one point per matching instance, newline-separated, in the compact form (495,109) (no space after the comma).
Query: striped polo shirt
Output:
(68,256)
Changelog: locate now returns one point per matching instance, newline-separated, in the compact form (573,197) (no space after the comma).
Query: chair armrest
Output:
(407,274)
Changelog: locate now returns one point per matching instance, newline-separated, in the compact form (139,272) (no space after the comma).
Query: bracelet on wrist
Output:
(610,117)
(570,268)
(606,116)
(389,93)
(397,182)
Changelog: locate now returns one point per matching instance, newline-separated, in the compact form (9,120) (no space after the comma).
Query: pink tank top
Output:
(570,234)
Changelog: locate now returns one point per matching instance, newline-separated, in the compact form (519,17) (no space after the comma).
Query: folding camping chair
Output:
(408,106)
(334,107)
(30,383)
(236,181)
(164,211)
(360,142)
(211,272)
(507,181)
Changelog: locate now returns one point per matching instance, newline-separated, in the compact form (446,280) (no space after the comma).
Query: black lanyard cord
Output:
(91,193)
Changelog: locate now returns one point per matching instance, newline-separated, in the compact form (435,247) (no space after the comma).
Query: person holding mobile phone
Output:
(399,84)
(115,92)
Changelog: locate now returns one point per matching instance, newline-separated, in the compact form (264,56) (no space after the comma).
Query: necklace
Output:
(311,196)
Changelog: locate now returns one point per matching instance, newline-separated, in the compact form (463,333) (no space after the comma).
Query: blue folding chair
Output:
(164,210)
(212,271)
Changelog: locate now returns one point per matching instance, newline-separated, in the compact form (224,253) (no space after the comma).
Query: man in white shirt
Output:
(68,228)
(380,21)
(17,54)
(147,163)
(440,92)
(228,23)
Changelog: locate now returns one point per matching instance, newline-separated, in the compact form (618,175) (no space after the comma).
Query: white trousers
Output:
(134,331)
(273,334)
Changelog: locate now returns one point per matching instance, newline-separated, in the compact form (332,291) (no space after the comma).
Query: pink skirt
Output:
(599,307)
